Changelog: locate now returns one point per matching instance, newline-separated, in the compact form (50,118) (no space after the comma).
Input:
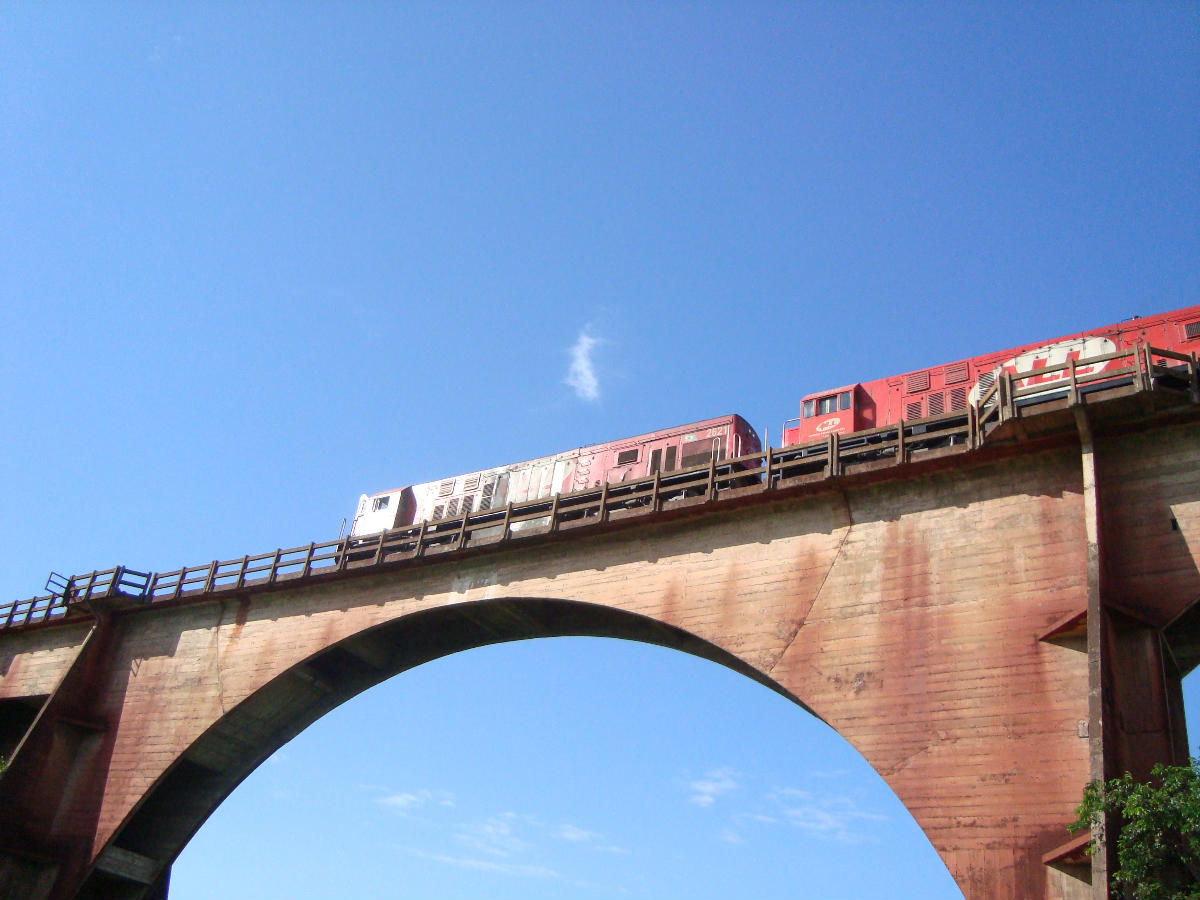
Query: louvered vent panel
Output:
(956,374)
(438,511)
(452,508)
(489,491)
(468,503)
(958,399)
(917,382)
(471,482)
(1192,330)
(986,380)
(446,488)
(937,404)
(912,410)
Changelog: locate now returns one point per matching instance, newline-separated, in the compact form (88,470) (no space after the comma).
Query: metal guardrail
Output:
(1143,365)
(724,479)
(78,589)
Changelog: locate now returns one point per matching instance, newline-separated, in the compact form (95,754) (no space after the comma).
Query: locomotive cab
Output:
(825,413)
(380,512)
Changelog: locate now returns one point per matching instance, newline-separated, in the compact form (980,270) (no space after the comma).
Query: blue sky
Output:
(257,260)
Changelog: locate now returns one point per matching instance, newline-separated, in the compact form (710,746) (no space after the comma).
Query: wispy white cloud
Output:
(508,843)
(831,817)
(755,818)
(581,375)
(407,800)
(705,791)
(822,815)
(496,836)
(575,834)
(525,870)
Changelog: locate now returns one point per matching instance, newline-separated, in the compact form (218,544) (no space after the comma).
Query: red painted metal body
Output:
(953,386)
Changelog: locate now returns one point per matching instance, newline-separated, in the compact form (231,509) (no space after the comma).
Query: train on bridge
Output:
(909,397)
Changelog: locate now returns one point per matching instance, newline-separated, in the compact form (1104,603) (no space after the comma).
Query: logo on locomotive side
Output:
(828,425)
(1057,354)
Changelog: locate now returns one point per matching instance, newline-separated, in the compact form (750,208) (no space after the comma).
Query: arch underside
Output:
(228,752)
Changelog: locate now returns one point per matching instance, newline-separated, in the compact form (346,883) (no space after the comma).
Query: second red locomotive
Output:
(952,387)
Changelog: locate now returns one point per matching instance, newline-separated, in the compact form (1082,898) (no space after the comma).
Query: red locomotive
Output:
(910,397)
(948,388)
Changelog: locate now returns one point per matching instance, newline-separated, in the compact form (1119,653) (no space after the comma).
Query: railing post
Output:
(553,514)
(418,550)
(462,530)
(506,532)
(834,452)
(655,500)
(901,450)
(711,493)
(1073,385)
(241,579)
(379,548)
(768,481)
(1194,378)
(308,559)
(179,584)
(274,566)
(211,579)
(1145,367)
(604,502)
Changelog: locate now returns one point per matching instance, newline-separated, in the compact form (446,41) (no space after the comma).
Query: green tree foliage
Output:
(1158,841)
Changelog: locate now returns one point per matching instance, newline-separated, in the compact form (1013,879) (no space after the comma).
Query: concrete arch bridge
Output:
(991,611)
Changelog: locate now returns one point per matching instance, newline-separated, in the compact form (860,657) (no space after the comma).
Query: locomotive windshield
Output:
(825,405)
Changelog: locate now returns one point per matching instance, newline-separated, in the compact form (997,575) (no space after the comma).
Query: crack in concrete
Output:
(821,587)
(939,738)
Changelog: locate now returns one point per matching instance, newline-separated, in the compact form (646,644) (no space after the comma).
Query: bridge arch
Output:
(934,621)
(196,782)
(534,768)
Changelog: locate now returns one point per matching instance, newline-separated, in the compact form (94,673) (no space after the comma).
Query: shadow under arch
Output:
(196,783)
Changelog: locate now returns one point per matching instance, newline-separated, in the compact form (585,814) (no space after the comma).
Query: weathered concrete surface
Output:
(908,614)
